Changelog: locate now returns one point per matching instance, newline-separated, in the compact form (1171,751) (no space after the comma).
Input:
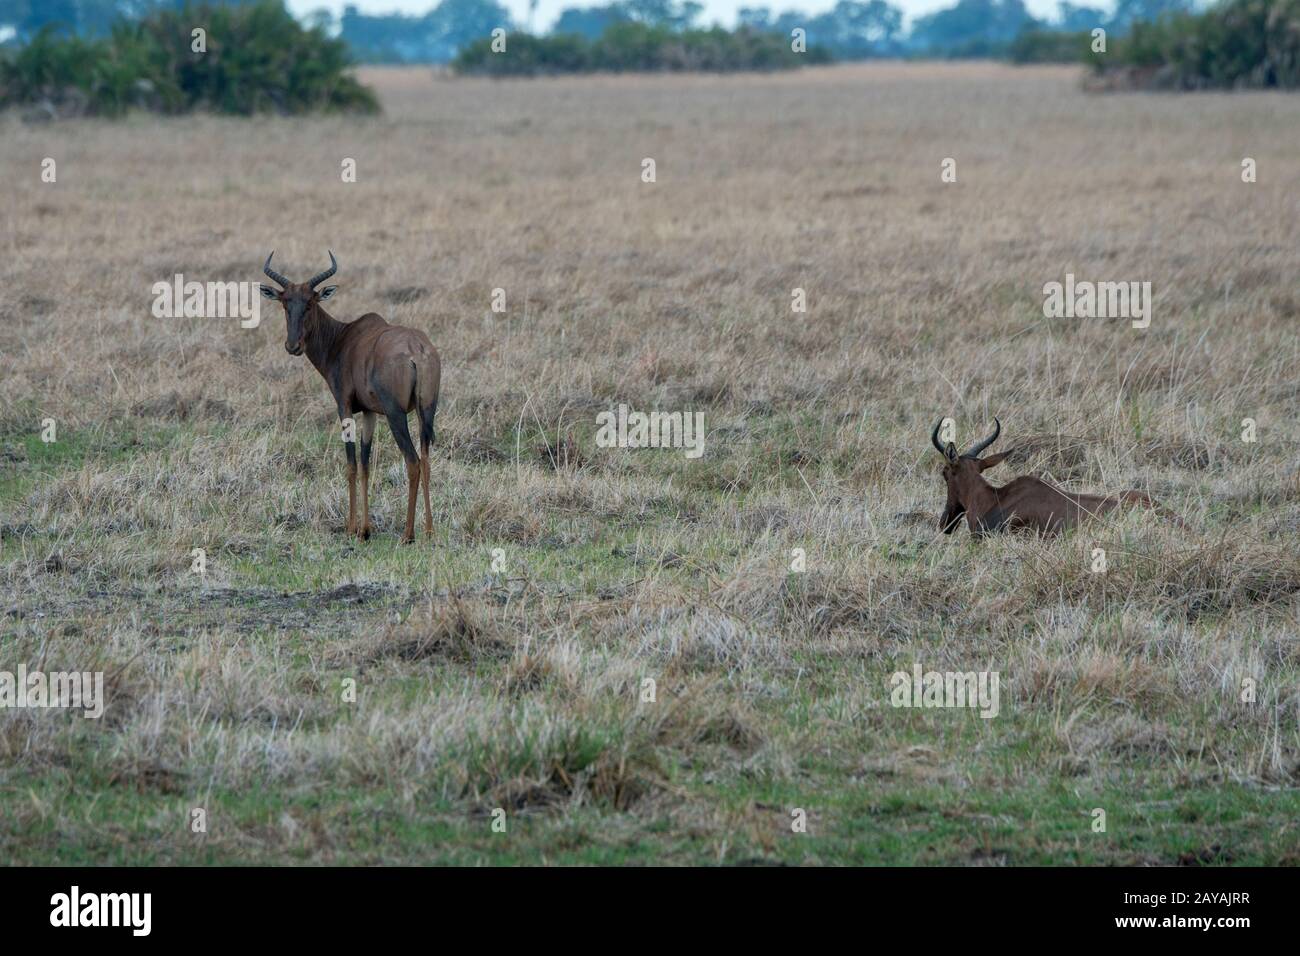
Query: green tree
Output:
(977,27)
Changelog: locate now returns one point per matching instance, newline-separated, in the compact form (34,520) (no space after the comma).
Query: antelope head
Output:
(299,300)
(967,489)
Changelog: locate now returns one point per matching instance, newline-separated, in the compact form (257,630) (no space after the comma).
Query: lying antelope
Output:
(370,367)
(1026,503)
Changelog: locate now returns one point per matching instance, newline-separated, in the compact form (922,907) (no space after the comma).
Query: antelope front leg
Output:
(351,448)
(367,443)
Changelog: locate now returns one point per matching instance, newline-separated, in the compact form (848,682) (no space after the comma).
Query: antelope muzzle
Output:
(295,315)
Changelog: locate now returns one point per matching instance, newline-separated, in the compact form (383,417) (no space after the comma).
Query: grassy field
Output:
(520,686)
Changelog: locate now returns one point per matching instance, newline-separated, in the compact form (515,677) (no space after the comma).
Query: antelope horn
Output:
(975,450)
(334,267)
(273,274)
(949,452)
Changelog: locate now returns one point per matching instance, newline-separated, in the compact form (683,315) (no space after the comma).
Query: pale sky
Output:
(723,11)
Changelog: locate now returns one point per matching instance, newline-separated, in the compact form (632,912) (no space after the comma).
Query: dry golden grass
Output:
(522,688)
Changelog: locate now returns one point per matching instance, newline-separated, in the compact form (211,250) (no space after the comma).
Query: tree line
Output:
(109,55)
(852,29)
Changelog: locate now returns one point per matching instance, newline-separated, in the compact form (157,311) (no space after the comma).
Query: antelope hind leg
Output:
(424,480)
(412,492)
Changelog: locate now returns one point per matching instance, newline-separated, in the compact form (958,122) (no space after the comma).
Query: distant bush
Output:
(971,28)
(1240,44)
(1050,46)
(432,37)
(258,59)
(975,48)
(628,47)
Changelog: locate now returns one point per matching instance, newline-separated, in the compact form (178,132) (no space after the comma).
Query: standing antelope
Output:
(1025,503)
(370,367)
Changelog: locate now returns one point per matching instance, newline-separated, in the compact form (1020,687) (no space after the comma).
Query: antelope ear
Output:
(268,292)
(328,291)
(991,460)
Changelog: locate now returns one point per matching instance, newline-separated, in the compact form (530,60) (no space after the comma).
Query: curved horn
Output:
(948,451)
(976,449)
(273,274)
(934,439)
(334,267)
